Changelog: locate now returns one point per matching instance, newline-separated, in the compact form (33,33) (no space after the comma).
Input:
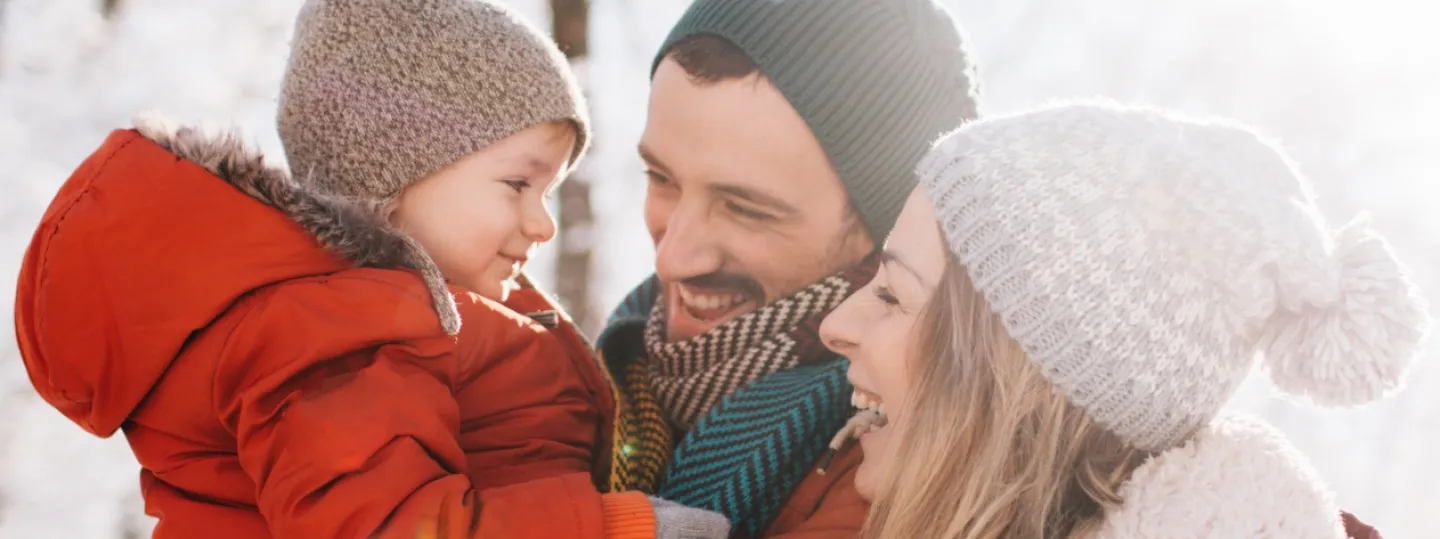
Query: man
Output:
(780,145)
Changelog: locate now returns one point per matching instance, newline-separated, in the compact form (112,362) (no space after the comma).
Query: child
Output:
(339,353)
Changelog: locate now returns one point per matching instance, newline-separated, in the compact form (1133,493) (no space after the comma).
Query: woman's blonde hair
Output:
(987,448)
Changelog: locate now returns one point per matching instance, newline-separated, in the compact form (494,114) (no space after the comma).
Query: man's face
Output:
(743,205)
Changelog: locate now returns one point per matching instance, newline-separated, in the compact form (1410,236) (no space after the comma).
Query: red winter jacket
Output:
(178,289)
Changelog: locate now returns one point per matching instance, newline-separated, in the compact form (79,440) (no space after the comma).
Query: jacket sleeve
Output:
(356,437)
(1355,529)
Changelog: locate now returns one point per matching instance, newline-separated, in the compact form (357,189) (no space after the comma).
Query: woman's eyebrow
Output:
(889,257)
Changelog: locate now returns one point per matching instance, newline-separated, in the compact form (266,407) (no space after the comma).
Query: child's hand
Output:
(675,521)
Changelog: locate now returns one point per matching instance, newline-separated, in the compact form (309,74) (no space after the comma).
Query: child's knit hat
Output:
(382,93)
(1142,260)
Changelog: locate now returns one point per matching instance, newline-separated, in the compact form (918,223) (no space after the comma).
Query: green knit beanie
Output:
(379,94)
(877,81)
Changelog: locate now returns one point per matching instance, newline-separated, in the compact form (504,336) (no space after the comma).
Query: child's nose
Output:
(537,225)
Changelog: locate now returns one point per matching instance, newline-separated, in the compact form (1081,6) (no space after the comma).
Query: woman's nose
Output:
(837,330)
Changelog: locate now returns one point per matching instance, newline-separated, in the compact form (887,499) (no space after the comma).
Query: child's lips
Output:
(516,265)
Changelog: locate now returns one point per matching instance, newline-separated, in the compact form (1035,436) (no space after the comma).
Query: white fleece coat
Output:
(1237,478)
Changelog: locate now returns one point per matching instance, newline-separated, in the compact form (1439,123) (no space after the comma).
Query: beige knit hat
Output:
(1143,259)
(381,93)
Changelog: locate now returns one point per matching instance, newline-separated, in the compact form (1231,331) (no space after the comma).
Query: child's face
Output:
(481,217)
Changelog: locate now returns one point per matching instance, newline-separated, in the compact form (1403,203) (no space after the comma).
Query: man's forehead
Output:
(735,137)
(749,179)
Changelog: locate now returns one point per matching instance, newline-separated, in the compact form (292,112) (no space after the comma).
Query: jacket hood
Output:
(155,235)
(1237,478)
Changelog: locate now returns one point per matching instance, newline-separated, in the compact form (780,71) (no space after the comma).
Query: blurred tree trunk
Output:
(109,8)
(3,6)
(570,22)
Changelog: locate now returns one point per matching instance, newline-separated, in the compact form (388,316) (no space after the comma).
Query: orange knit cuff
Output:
(628,515)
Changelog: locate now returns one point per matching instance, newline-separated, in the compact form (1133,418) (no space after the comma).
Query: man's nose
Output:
(687,249)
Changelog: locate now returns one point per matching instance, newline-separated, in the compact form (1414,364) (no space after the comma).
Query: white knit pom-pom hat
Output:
(1143,259)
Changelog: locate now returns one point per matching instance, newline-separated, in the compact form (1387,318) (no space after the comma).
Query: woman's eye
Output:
(885,296)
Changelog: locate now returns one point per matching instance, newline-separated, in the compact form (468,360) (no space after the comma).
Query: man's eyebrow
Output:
(754,196)
(889,257)
(651,161)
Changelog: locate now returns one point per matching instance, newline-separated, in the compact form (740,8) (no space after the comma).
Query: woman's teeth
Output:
(866,402)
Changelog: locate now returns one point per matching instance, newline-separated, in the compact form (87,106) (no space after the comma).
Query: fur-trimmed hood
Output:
(1237,478)
(356,233)
(152,238)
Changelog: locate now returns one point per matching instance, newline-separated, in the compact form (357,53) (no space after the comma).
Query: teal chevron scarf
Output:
(751,439)
(747,455)
(754,444)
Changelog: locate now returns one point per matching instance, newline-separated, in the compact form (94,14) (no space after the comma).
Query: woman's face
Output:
(874,328)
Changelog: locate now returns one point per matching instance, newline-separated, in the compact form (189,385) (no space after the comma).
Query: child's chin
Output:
(493,290)
(499,291)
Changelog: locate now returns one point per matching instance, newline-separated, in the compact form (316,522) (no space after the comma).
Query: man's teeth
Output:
(709,301)
(864,402)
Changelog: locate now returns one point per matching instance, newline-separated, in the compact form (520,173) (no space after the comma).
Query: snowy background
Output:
(1350,87)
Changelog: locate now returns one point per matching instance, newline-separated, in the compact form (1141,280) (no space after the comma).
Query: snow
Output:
(1348,86)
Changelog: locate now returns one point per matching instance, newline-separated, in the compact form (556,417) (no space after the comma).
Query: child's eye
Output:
(518,184)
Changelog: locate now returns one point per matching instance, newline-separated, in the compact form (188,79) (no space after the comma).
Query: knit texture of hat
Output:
(382,93)
(1142,260)
(877,81)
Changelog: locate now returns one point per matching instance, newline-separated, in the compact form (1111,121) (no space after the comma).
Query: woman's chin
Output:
(865,484)
(867,476)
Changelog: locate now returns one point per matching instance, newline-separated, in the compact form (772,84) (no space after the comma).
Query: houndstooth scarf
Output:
(690,376)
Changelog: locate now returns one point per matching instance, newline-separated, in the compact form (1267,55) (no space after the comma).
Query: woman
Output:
(1050,360)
